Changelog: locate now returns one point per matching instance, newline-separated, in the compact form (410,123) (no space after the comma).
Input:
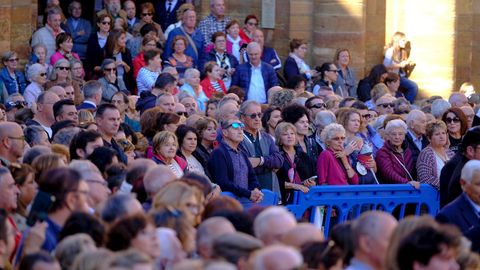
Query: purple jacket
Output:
(330,170)
(389,169)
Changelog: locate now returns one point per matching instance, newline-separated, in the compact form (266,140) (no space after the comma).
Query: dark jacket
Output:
(363,90)
(415,151)
(80,35)
(272,157)
(446,176)
(162,17)
(461,213)
(290,69)
(243,74)
(86,106)
(130,83)
(120,154)
(95,55)
(211,56)
(221,167)
(389,169)
(476,121)
(146,101)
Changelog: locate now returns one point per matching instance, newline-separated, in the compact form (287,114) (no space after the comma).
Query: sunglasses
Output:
(106,23)
(43,74)
(366,116)
(449,120)
(236,125)
(63,68)
(182,113)
(318,106)
(254,115)
(341,138)
(13,60)
(109,69)
(386,105)
(147,14)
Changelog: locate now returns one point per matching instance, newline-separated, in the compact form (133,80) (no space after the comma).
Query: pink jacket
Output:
(331,172)
(389,169)
(57,56)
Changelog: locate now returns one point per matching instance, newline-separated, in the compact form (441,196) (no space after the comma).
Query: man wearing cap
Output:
(14,103)
(450,187)
(230,167)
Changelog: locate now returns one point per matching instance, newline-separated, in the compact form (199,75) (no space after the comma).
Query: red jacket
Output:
(208,87)
(389,169)
(138,63)
(330,170)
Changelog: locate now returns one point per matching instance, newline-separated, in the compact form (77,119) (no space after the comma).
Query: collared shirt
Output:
(256,89)
(75,23)
(101,40)
(255,141)
(210,25)
(240,167)
(416,140)
(171,4)
(131,21)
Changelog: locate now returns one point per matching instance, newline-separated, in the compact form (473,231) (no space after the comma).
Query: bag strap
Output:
(404,168)
(190,40)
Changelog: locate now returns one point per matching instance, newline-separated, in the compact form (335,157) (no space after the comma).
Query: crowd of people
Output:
(119,135)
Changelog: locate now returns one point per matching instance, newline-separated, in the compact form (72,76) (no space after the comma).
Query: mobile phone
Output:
(244,46)
(41,204)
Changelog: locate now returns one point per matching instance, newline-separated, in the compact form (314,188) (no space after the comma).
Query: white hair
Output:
(252,45)
(469,170)
(412,115)
(261,225)
(34,70)
(156,178)
(190,72)
(394,124)
(330,130)
(268,258)
(440,106)
(84,167)
(324,118)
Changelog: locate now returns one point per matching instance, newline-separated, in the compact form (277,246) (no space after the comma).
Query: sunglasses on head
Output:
(452,120)
(63,68)
(236,125)
(386,105)
(254,115)
(318,106)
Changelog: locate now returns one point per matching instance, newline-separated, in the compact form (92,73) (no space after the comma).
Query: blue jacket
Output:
(11,84)
(80,36)
(269,56)
(291,69)
(461,213)
(221,168)
(86,106)
(243,74)
(197,38)
(210,56)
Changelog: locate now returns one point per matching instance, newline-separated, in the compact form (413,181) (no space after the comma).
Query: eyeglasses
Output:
(386,105)
(103,183)
(147,14)
(109,69)
(236,125)
(63,68)
(182,113)
(318,106)
(106,23)
(449,120)
(341,138)
(22,138)
(254,115)
(43,74)
(13,60)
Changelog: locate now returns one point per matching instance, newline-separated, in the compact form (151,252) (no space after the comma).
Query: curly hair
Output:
(293,113)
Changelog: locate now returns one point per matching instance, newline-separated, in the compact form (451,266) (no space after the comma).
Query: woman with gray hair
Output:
(333,164)
(192,87)
(61,74)
(394,160)
(110,84)
(37,74)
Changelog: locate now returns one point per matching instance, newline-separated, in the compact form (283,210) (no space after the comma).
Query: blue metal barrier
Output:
(269,198)
(341,203)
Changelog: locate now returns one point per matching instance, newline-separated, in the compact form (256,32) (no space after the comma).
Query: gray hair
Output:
(156,178)
(261,224)
(190,72)
(245,105)
(282,98)
(369,224)
(84,167)
(32,134)
(116,206)
(330,130)
(395,124)
(162,95)
(469,169)
(252,45)
(412,115)
(6,55)
(324,118)
(53,76)
(34,70)
(440,106)
(65,135)
(91,88)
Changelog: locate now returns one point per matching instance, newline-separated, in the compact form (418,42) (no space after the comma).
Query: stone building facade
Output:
(446,45)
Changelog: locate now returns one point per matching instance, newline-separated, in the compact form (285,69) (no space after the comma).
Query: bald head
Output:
(156,178)
(12,141)
(208,231)
(272,223)
(59,91)
(301,234)
(277,257)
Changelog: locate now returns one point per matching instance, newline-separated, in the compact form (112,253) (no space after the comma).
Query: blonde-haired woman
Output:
(165,145)
(182,196)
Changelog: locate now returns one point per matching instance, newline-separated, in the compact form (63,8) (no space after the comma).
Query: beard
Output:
(114,8)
